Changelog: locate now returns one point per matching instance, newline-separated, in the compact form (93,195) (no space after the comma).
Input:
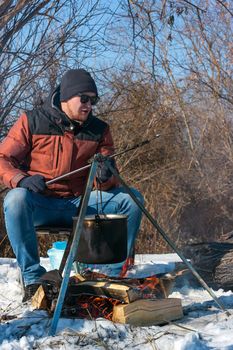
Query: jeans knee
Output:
(139,195)
(15,199)
(133,205)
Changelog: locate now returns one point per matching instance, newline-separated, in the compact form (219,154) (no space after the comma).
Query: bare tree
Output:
(38,41)
(184,50)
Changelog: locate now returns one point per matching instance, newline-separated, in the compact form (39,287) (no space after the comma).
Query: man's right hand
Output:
(35,183)
(103,174)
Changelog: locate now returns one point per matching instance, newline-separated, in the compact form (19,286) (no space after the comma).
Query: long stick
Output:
(167,239)
(112,156)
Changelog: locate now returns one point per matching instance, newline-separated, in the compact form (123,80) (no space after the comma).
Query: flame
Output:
(127,265)
(150,283)
(91,307)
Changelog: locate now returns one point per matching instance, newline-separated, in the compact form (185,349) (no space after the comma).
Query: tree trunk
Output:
(214,261)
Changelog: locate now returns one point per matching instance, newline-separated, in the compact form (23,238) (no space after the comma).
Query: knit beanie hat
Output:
(76,81)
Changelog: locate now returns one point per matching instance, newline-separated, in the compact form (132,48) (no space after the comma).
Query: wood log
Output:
(214,262)
(121,292)
(148,312)
(223,274)
(39,300)
(125,290)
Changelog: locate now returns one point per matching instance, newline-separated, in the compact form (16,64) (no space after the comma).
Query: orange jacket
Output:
(44,141)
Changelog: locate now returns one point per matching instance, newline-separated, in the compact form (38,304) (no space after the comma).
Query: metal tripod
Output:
(78,230)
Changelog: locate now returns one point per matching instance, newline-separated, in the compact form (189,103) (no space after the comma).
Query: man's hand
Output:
(102,171)
(35,183)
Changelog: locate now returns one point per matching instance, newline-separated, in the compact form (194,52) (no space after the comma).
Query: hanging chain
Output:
(99,209)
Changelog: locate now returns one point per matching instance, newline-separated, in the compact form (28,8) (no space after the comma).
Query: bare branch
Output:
(225,6)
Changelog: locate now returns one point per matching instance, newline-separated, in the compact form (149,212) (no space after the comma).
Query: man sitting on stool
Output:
(60,136)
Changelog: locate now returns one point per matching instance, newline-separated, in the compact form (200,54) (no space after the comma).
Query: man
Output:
(47,142)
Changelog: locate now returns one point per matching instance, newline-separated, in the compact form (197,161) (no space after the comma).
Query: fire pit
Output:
(140,302)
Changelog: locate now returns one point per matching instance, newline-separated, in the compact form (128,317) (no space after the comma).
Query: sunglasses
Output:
(85,98)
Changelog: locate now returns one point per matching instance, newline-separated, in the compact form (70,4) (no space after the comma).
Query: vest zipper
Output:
(58,153)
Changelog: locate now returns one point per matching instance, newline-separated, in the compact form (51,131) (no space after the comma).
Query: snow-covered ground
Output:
(204,325)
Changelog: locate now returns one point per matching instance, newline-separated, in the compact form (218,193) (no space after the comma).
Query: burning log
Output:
(162,283)
(124,290)
(121,292)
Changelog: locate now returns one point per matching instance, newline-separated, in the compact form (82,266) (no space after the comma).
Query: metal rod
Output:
(67,174)
(167,239)
(89,165)
(140,144)
(73,250)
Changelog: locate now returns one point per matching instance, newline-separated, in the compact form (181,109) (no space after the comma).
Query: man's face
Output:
(76,109)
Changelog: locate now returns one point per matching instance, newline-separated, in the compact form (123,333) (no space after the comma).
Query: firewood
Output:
(123,289)
(117,291)
(165,281)
(39,300)
(79,277)
(148,312)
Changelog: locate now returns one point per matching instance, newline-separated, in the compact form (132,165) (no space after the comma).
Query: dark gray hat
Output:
(76,81)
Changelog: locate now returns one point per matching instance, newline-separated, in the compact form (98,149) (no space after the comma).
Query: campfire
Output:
(138,301)
(91,307)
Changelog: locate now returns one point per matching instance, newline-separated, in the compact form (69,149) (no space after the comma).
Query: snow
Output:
(204,325)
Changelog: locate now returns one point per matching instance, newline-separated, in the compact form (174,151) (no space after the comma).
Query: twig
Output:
(189,328)
(6,317)
(4,238)
(193,5)
(222,3)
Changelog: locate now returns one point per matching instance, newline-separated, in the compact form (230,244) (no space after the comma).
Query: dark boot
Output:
(29,291)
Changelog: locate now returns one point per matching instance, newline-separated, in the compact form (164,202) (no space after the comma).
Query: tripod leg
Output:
(167,239)
(73,250)
(69,243)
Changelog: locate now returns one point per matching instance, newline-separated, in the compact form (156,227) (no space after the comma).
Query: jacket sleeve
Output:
(106,148)
(13,151)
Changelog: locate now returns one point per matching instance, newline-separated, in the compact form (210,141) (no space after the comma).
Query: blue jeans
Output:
(24,209)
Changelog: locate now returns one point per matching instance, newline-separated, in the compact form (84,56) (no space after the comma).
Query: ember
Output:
(91,307)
